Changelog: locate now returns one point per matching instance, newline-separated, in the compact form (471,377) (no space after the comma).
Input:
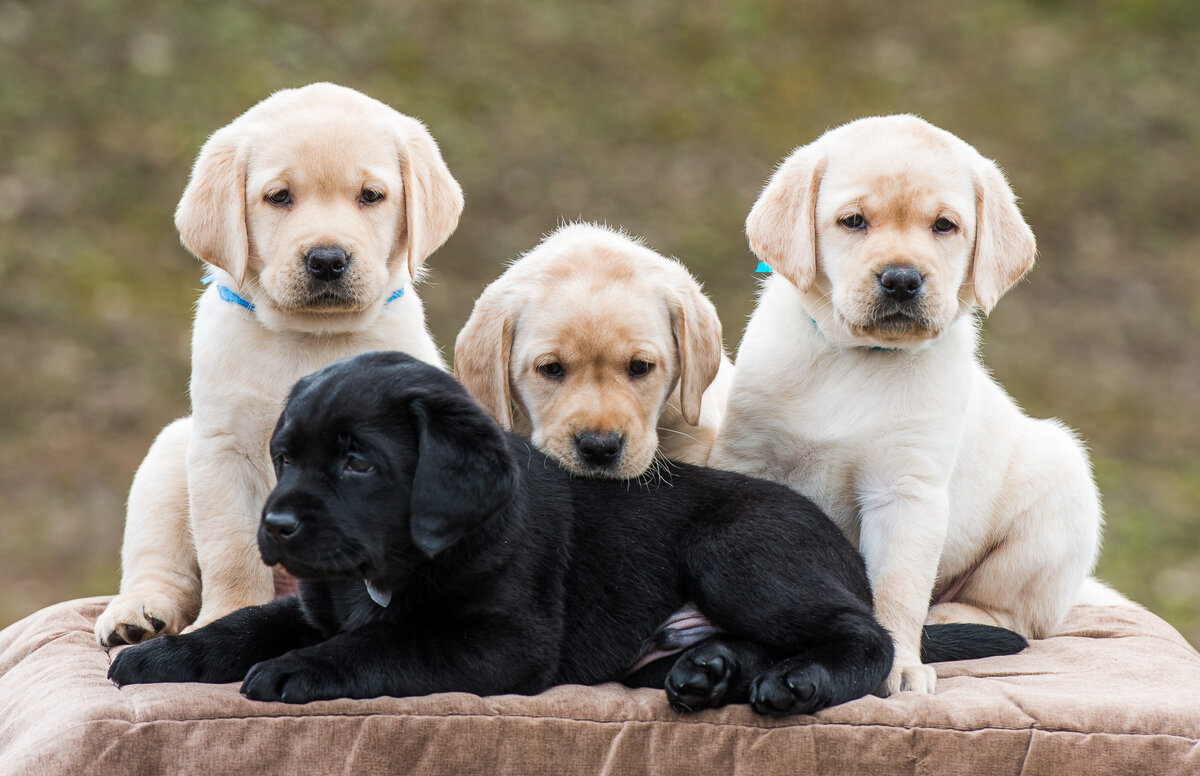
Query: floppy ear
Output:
(211,216)
(464,474)
(697,331)
(433,200)
(1004,244)
(782,225)
(482,352)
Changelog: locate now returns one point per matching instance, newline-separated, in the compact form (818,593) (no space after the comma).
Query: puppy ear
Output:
(482,352)
(782,225)
(697,331)
(211,216)
(433,200)
(464,474)
(1004,244)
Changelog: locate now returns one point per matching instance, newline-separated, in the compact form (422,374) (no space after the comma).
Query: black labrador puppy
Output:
(437,553)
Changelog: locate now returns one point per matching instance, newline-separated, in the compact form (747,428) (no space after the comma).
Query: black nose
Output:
(281,526)
(599,449)
(326,264)
(900,283)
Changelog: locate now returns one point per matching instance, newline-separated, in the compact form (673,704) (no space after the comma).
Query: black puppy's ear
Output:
(464,473)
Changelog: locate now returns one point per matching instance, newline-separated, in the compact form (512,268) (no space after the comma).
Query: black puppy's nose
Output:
(900,283)
(599,449)
(326,264)
(281,525)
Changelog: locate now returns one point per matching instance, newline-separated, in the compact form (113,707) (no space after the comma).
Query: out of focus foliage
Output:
(663,117)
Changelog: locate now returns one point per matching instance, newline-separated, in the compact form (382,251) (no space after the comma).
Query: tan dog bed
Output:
(1118,692)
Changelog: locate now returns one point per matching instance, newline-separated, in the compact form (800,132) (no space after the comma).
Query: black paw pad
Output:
(701,677)
(791,689)
(133,634)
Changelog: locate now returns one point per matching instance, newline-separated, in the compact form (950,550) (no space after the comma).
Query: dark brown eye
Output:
(551,369)
(944,225)
(639,368)
(357,464)
(280,197)
(370,196)
(853,221)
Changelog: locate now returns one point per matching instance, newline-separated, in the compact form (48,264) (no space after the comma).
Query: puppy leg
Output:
(392,659)
(790,582)
(1051,514)
(222,652)
(854,654)
(160,580)
(904,523)
(228,483)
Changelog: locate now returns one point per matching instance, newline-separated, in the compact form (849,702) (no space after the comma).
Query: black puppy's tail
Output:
(963,641)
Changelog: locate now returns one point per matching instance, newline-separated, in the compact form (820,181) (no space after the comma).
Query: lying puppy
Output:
(858,383)
(609,352)
(314,212)
(437,553)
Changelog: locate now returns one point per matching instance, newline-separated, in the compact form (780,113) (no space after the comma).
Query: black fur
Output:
(508,575)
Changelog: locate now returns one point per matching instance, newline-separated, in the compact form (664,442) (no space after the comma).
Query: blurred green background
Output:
(663,117)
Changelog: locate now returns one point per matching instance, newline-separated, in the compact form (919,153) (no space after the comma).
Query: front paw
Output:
(134,617)
(170,659)
(701,677)
(794,686)
(909,677)
(295,678)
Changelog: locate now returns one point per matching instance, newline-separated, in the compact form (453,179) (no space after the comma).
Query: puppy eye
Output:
(944,225)
(280,197)
(357,464)
(853,221)
(370,196)
(552,369)
(640,368)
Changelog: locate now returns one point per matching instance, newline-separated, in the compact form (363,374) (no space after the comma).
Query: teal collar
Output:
(857,347)
(227,294)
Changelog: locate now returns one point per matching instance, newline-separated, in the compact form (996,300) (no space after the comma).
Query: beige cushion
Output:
(1117,692)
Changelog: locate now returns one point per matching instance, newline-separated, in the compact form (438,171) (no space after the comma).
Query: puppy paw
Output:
(170,659)
(909,678)
(701,677)
(294,678)
(132,618)
(792,687)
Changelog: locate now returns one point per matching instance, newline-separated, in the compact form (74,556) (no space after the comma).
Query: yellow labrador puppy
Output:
(601,351)
(314,212)
(858,383)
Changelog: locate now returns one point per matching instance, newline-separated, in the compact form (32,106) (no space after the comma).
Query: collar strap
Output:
(856,347)
(228,295)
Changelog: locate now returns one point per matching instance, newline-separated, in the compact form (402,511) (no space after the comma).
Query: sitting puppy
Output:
(858,383)
(436,553)
(601,351)
(314,212)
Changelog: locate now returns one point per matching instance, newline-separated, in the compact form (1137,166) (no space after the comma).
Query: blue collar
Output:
(227,294)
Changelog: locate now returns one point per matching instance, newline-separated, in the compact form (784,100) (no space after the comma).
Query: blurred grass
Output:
(664,117)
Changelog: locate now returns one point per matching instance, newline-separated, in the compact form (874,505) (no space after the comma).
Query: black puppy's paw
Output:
(701,677)
(170,659)
(792,687)
(295,678)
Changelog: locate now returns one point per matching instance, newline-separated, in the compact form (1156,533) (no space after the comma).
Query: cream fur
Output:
(592,299)
(190,553)
(945,486)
